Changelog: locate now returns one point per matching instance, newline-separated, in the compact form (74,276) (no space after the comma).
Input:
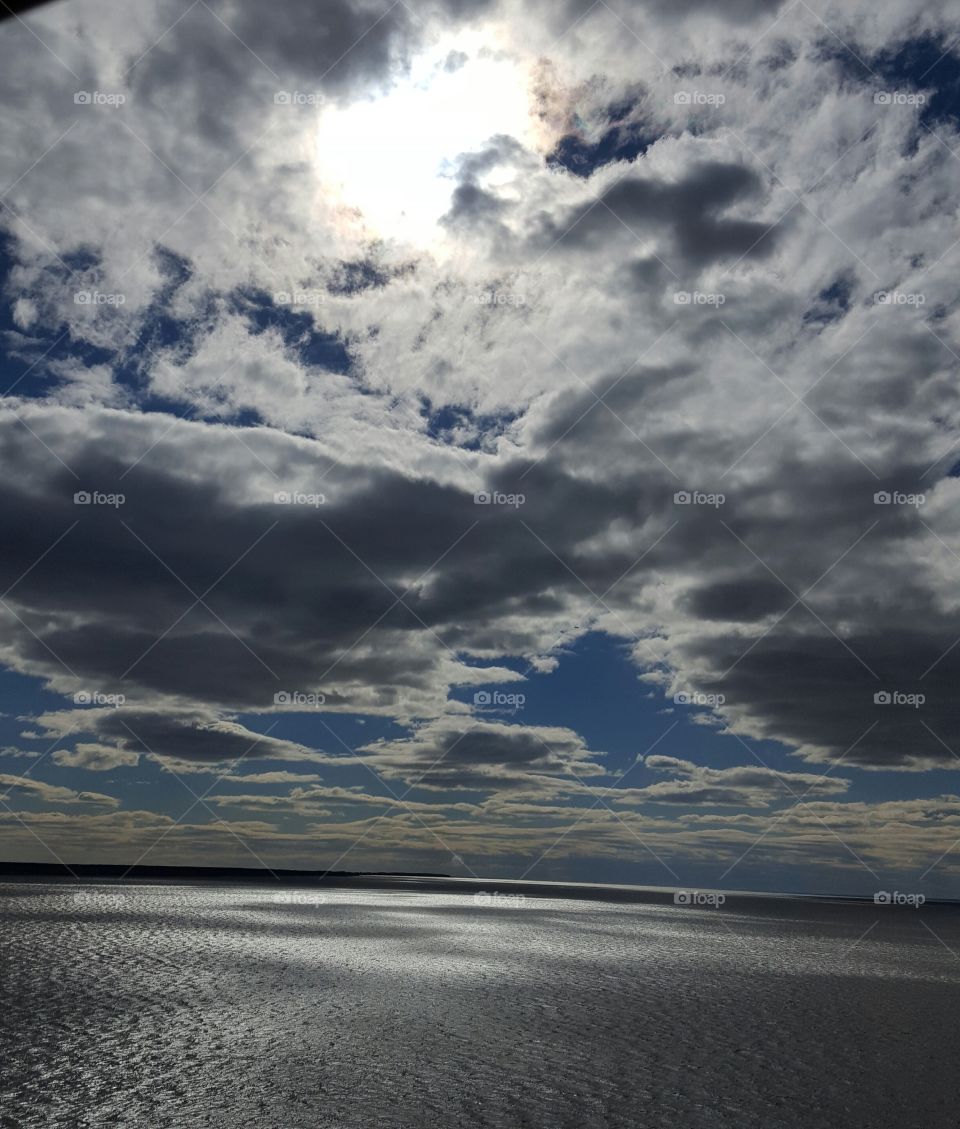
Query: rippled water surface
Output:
(155,1006)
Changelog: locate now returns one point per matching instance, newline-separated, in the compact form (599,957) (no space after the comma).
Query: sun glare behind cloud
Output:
(456,97)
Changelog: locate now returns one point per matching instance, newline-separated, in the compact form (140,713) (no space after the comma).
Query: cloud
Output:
(272,778)
(96,758)
(733,11)
(483,756)
(864,843)
(15,751)
(743,786)
(173,738)
(221,82)
(22,787)
(692,209)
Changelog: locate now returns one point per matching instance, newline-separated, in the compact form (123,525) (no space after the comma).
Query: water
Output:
(155,1006)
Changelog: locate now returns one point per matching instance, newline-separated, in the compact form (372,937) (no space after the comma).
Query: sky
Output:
(503,438)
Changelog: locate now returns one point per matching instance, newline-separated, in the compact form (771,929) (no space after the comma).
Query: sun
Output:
(393,158)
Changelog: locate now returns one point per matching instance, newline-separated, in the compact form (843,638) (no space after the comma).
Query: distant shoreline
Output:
(413,882)
(198,873)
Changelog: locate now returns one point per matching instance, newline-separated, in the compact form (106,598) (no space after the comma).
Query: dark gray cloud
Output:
(485,757)
(293,588)
(803,684)
(305,598)
(693,209)
(338,49)
(474,209)
(190,738)
(731,11)
(738,600)
(173,736)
